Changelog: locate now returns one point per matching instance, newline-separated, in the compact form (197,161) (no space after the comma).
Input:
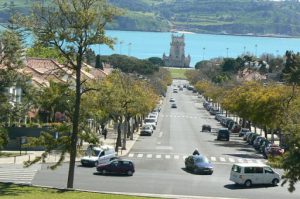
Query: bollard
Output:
(15,159)
(28,157)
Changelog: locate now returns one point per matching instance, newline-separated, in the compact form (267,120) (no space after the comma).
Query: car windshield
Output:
(146,127)
(149,120)
(201,159)
(93,152)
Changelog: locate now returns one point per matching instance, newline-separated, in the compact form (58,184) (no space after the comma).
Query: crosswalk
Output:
(18,174)
(221,159)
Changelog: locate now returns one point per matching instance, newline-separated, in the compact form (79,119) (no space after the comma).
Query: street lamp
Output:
(129,48)
(227,52)
(203,53)
(244,50)
(121,42)
(255,50)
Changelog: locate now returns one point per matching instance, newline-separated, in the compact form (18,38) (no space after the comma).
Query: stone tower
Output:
(177,56)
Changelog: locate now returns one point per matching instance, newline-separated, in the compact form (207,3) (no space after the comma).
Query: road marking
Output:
(140,155)
(149,155)
(249,161)
(240,160)
(158,142)
(164,148)
(183,157)
(160,134)
(222,159)
(176,157)
(213,159)
(158,156)
(168,156)
(259,161)
(231,160)
(130,155)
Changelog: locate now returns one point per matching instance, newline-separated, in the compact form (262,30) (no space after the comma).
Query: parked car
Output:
(119,166)
(235,128)
(243,131)
(206,127)
(175,90)
(263,145)
(273,150)
(150,121)
(246,135)
(153,116)
(146,129)
(253,173)
(223,134)
(172,100)
(253,137)
(198,164)
(213,110)
(257,142)
(98,155)
(173,105)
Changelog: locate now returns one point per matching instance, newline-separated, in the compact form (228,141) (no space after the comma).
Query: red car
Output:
(117,166)
(273,150)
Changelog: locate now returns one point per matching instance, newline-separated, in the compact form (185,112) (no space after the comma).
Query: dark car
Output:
(223,134)
(206,127)
(146,129)
(118,166)
(243,131)
(198,164)
(173,106)
(263,145)
(257,142)
(253,137)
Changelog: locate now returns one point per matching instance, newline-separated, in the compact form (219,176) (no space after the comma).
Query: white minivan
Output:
(98,155)
(253,173)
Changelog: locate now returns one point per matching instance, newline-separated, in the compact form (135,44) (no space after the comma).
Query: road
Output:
(159,159)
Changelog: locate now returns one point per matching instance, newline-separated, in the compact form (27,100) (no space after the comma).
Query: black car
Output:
(206,127)
(118,166)
(223,134)
(198,164)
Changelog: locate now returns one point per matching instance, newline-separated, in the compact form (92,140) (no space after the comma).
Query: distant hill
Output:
(245,17)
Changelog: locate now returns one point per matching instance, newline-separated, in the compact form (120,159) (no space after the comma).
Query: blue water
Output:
(154,44)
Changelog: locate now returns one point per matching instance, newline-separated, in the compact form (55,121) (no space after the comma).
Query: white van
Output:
(253,173)
(98,155)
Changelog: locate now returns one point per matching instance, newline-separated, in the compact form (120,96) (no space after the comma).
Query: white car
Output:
(172,99)
(146,129)
(153,116)
(150,121)
(98,155)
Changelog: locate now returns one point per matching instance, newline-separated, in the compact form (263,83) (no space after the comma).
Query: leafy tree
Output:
(43,51)
(156,61)
(3,137)
(71,27)
(98,63)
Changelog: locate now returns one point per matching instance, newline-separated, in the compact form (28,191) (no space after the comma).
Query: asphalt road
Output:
(159,159)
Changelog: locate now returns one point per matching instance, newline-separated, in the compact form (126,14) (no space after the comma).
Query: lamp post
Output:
(129,48)
(121,42)
(227,52)
(255,50)
(203,53)
(244,50)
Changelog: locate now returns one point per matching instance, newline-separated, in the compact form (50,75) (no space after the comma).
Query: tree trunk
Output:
(124,135)
(119,143)
(74,135)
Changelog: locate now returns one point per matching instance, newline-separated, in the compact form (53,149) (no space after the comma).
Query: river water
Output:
(199,46)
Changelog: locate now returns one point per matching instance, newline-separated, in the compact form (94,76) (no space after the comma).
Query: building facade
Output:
(177,56)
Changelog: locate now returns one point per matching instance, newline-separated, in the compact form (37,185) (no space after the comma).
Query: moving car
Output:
(223,134)
(173,105)
(98,155)
(172,100)
(206,127)
(253,173)
(198,164)
(146,129)
(119,166)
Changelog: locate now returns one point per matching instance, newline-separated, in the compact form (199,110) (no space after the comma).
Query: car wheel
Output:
(104,172)
(275,182)
(211,173)
(129,172)
(248,183)
(96,163)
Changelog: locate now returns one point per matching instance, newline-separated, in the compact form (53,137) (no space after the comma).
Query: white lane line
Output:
(222,159)
(259,161)
(158,156)
(149,155)
(140,155)
(176,157)
(240,160)
(160,134)
(168,156)
(130,155)
(249,161)
(213,159)
(231,160)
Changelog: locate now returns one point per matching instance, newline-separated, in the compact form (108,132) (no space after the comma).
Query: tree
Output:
(71,27)
(3,137)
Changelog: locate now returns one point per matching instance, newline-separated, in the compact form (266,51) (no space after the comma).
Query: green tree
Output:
(3,137)
(71,27)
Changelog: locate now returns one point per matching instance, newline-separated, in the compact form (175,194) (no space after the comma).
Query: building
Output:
(177,56)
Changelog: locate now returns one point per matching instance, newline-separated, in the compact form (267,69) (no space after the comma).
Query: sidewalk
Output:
(53,157)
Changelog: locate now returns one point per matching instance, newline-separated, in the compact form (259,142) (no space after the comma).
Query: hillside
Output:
(250,17)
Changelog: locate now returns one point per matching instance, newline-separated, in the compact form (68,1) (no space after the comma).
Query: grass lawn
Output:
(12,191)
(178,73)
